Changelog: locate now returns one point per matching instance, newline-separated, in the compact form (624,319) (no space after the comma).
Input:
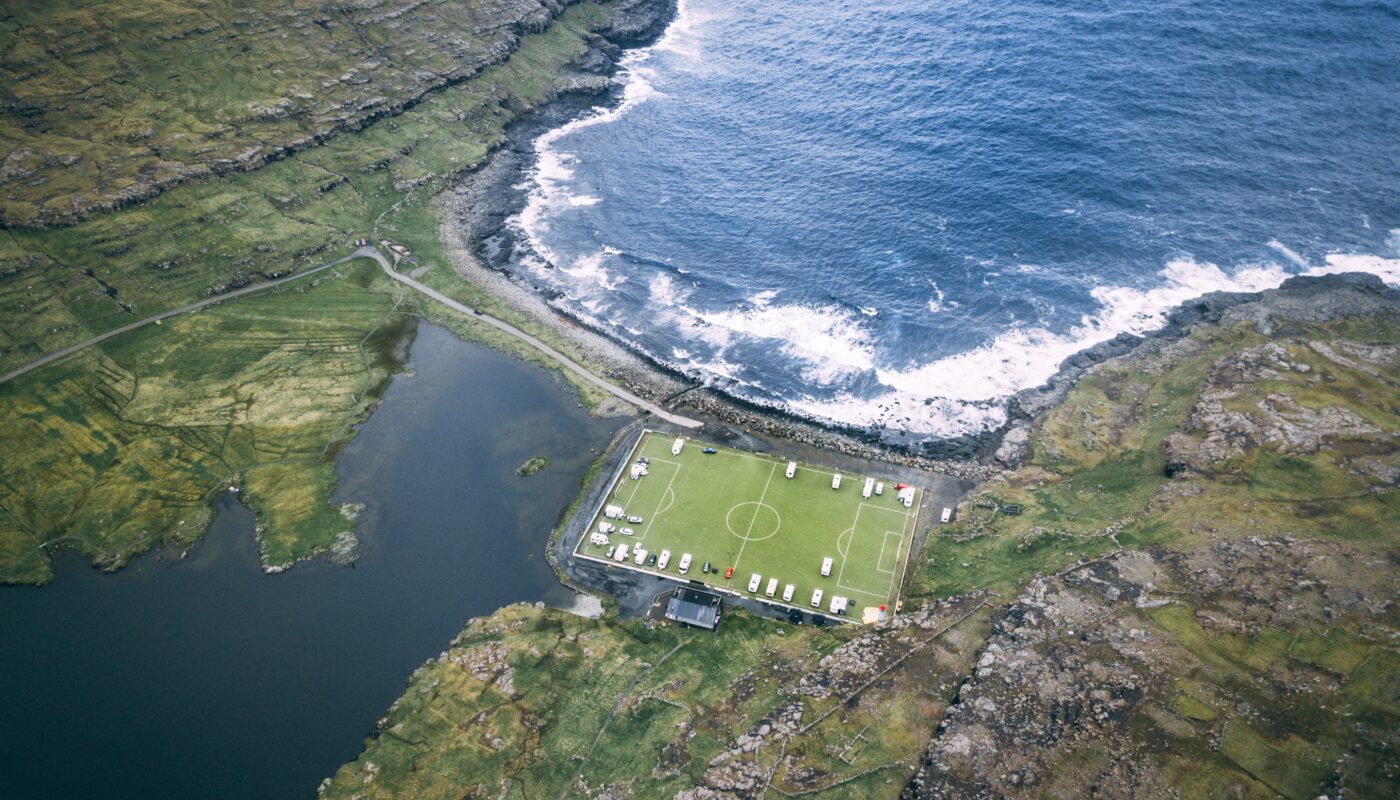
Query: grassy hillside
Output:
(1197,597)
(110,103)
(138,433)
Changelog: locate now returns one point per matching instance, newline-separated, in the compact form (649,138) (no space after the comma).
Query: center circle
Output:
(753,521)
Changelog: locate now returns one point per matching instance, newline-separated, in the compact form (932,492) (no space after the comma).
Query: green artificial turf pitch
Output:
(736,509)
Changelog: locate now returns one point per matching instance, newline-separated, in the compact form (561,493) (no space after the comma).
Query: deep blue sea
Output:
(895,213)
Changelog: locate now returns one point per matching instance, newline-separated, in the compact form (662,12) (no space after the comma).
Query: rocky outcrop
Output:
(1297,300)
(1079,665)
(1227,423)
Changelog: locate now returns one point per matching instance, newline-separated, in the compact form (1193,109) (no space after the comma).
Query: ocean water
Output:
(894,214)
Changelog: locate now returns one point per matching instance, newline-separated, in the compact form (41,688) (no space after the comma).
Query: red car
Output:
(729,573)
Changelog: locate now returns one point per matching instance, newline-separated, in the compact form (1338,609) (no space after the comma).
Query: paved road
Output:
(564,360)
(368,251)
(257,287)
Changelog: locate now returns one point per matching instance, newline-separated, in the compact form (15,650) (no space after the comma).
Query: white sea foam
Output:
(964,393)
(550,182)
(588,271)
(828,339)
(1387,269)
(1027,356)
(935,303)
(1289,253)
(663,291)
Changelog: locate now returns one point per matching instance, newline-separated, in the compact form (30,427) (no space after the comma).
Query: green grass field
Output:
(736,509)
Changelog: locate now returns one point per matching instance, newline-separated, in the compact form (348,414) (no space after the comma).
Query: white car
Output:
(685,563)
(640,557)
(626,532)
(634,519)
(664,560)
(753,582)
(787,592)
(816,596)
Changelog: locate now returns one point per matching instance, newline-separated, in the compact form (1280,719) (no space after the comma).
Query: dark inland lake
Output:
(205,678)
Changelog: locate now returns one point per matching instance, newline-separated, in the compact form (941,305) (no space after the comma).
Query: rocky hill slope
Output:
(1186,590)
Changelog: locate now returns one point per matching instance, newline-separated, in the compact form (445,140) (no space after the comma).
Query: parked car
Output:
(611,550)
(709,451)
(634,519)
(706,569)
(651,560)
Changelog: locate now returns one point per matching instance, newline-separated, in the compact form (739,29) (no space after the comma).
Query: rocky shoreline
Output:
(481,246)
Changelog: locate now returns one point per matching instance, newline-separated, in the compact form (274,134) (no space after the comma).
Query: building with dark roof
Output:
(692,607)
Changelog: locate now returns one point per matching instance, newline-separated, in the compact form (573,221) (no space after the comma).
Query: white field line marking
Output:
(898,539)
(609,494)
(855,527)
(802,468)
(745,543)
(911,527)
(662,499)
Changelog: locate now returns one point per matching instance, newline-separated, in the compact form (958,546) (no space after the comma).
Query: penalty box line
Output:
(855,530)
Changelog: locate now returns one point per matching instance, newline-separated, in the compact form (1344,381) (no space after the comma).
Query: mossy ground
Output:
(1222,722)
(119,449)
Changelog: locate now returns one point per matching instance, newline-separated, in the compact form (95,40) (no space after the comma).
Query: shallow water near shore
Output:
(204,677)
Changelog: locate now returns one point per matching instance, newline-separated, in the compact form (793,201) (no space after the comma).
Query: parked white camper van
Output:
(685,563)
(792,469)
(787,592)
(826,567)
(753,582)
(816,598)
(664,560)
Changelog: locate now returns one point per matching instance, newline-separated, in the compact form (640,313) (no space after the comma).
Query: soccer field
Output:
(740,510)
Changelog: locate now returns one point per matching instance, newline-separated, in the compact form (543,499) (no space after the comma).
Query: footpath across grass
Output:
(740,510)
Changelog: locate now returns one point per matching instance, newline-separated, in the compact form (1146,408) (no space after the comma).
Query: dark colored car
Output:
(651,560)
(709,451)
(795,617)
(706,569)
